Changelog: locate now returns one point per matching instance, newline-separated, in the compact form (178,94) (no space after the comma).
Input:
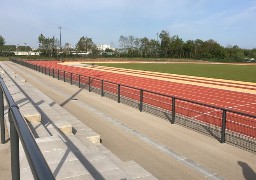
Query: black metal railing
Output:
(177,108)
(20,130)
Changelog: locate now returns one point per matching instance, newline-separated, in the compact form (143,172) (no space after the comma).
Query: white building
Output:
(103,47)
(26,53)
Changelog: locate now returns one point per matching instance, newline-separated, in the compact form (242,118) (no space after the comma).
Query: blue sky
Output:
(229,22)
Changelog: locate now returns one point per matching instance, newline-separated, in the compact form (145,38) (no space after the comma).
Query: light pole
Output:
(17,49)
(60,37)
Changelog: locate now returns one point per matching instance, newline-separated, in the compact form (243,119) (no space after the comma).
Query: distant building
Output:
(26,53)
(80,53)
(103,47)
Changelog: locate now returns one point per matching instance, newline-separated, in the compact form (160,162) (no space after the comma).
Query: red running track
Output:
(241,102)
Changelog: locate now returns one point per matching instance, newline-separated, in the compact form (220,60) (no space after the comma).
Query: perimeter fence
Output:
(225,125)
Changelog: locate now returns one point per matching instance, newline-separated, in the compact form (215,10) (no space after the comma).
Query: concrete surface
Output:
(167,151)
(5,159)
(67,156)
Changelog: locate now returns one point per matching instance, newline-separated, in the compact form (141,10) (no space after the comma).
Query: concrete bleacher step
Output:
(78,128)
(131,168)
(37,102)
(74,153)
(70,159)
(39,130)
(28,111)
(44,102)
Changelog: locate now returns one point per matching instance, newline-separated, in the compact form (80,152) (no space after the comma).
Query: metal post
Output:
(118,93)
(102,86)
(45,70)
(53,73)
(58,74)
(71,78)
(89,84)
(15,163)
(64,77)
(79,80)
(173,111)
(2,116)
(223,126)
(141,100)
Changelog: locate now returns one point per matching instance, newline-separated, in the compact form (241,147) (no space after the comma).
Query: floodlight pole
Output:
(60,37)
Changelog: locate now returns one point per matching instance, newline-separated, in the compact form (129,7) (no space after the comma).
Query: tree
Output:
(165,43)
(189,49)
(2,43)
(176,47)
(48,46)
(144,48)
(67,49)
(85,44)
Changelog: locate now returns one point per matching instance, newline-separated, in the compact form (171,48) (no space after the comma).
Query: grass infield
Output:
(245,73)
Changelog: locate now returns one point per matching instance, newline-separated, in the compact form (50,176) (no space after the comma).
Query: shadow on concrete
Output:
(248,172)
(169,117)
(72,97)
(72,147)
(211,133)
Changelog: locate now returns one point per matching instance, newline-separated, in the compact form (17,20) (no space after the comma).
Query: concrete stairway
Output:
(72,150)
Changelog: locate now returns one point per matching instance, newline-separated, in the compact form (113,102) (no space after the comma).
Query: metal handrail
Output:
(20,129)
(165,95)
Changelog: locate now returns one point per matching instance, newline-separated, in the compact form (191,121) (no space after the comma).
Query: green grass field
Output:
(245,73)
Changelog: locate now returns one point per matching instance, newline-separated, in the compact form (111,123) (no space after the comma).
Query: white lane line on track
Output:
(206,113)
(187,78)
(241,105)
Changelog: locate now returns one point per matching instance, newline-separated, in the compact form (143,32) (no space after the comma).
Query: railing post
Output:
(79,80)
(53,73)
(2,116)
(64,76)
(49,72)
(89,84)
(223,126)
(118,93)
(58,74)
(102,88)
(173,111)
(141,100)
(71,78)
(15,163)
(45,70)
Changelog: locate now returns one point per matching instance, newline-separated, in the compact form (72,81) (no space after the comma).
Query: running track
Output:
(159,82)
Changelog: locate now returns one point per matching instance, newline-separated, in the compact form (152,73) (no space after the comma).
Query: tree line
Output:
(164,46)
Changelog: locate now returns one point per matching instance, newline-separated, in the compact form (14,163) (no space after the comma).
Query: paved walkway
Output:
(167,151)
